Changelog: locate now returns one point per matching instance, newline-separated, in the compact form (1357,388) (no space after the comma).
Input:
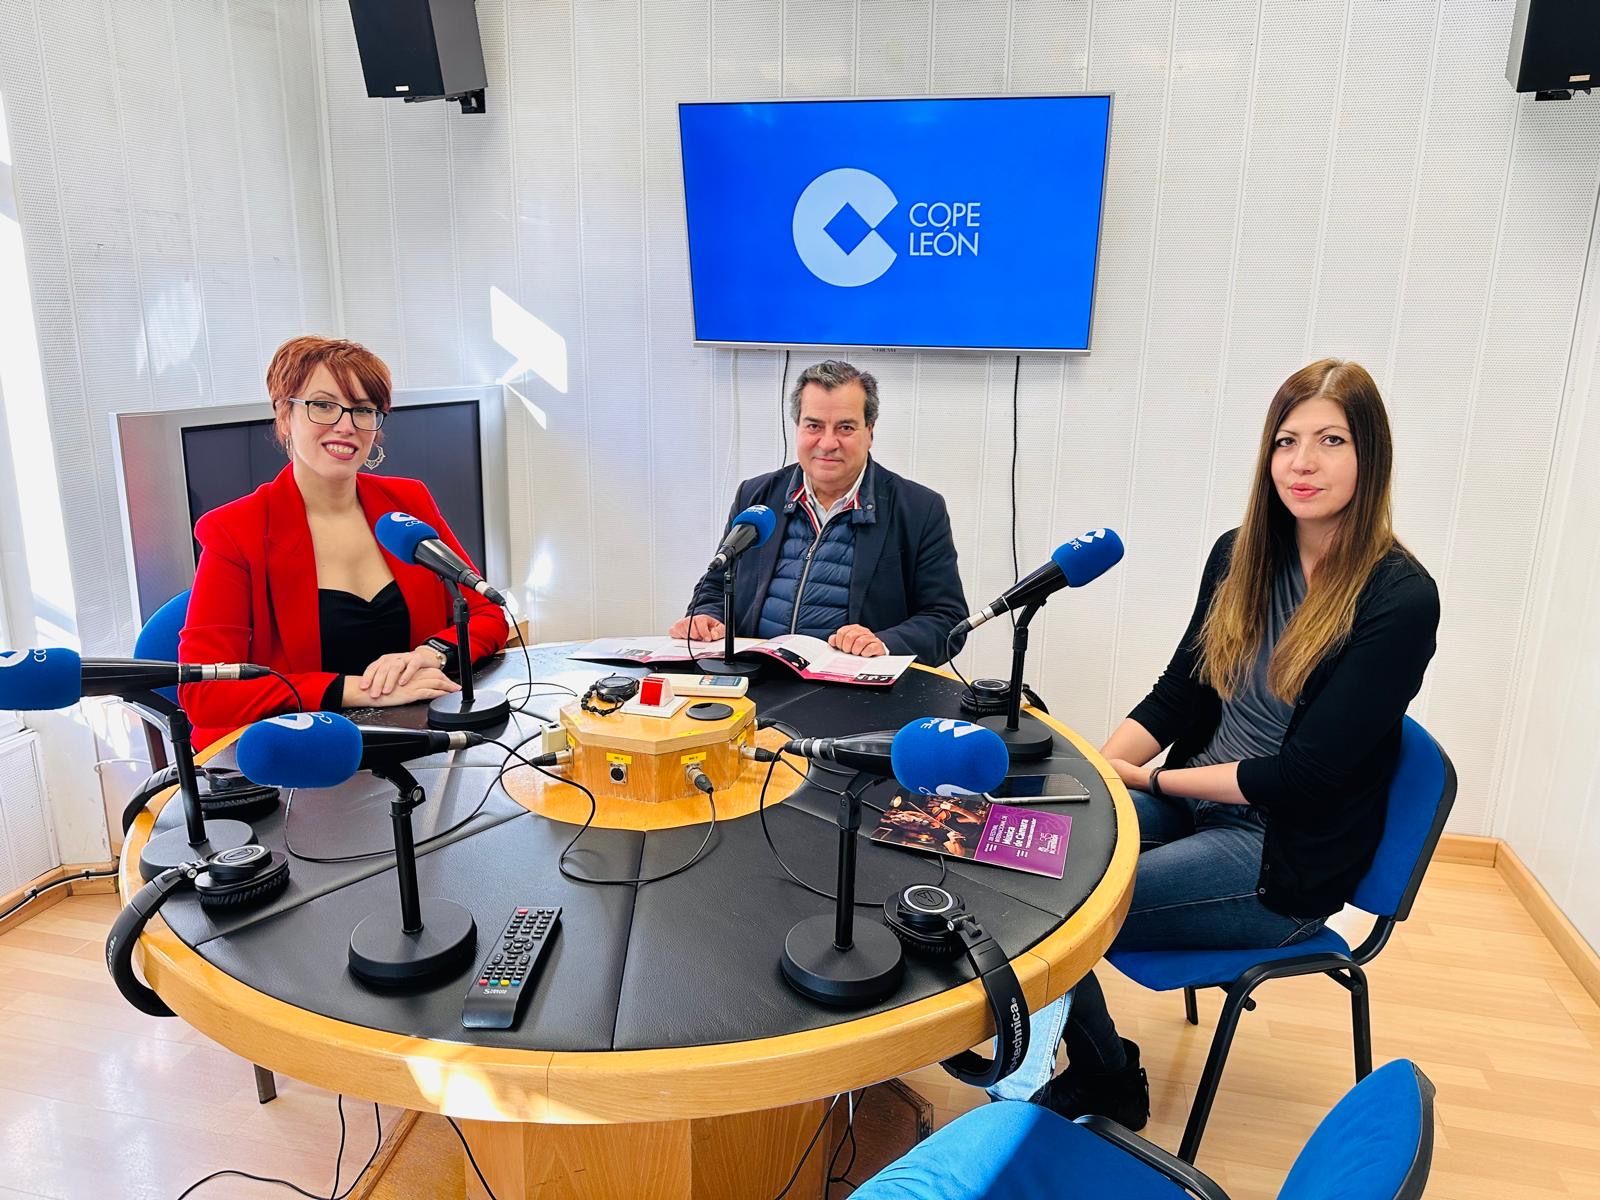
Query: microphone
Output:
(415,541)
(322,750)
(750,529)
(830,958)
(932,756)
(59,678)
(1074,563)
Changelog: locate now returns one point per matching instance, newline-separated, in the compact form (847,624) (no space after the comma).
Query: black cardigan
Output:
(1325,791)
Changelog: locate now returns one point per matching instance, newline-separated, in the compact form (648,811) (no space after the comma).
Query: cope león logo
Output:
(836,227)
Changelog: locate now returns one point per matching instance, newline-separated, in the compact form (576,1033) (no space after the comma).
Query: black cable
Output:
(288,808)
(299,704)
(849,1135)
(294,1187)
(766,832)
(470,1159)
(338,1158)
(594,808)
(823,1124)
(1016,438)
(33,893)
(783,410)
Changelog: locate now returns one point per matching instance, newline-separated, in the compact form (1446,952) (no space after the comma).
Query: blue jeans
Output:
(1195,888)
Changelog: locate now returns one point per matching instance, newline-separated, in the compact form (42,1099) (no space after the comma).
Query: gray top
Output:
(1254,721)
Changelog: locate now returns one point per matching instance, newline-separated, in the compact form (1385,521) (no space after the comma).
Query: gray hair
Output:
(835,373)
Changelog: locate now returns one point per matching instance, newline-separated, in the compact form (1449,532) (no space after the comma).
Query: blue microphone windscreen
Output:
(940,756)
(300,750)
(399,533)
(1088,556)
(40,679)
(762,518)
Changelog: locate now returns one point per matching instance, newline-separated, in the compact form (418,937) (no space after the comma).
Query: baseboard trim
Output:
(46,900)
(386,1155)
(1468,850)
(1564,936)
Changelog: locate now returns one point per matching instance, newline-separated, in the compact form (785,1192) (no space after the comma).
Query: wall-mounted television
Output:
(177,465)
(968,223)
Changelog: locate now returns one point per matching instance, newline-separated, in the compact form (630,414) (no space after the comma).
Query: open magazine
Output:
(808,657)
(979,830)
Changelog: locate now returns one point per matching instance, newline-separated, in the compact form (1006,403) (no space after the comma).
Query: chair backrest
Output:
(1376,1144)
(1421,793)
(159,637)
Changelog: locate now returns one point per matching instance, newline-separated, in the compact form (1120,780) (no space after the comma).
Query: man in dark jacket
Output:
(861,556)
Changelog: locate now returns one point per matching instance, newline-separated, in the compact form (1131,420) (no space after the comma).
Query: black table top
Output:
(687,961)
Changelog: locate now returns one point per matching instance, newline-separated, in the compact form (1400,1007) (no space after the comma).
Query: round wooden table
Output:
(722,1115)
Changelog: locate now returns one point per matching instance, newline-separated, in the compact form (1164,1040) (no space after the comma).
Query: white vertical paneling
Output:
(160,203)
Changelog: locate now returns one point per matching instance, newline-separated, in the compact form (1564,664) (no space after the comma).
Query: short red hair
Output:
(355,367)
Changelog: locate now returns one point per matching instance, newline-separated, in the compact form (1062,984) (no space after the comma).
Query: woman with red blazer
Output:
(292,577)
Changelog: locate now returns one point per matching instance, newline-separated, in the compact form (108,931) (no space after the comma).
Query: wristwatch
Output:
(445,650)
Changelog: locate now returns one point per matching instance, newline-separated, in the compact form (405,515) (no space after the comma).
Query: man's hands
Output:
(858,639)
(699,627)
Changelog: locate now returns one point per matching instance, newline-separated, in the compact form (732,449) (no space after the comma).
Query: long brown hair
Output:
(1237,621)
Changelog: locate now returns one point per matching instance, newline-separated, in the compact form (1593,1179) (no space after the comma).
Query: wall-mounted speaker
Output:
(421,50)
(1555,47)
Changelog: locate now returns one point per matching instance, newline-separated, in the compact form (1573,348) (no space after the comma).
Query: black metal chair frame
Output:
(1346,972)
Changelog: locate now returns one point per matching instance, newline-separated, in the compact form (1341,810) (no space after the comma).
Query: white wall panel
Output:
(164,174)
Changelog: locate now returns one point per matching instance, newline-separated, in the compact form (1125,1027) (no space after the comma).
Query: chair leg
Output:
(1361,1023)
(266,1086)
(1190,1009)
(1233,1004)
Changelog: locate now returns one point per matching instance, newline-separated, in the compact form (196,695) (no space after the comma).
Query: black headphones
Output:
(935,923)
(992,698)
(613,690)
(228,795)
(244,875)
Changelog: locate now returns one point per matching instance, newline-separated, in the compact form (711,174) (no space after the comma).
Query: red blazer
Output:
(255,600)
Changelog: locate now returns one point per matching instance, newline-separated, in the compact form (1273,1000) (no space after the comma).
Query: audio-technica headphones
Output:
(228,795)
(935,923)
(613,691)
(992,698)
(244,875)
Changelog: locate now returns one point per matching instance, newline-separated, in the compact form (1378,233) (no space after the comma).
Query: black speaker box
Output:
(1555,46)
(419,49)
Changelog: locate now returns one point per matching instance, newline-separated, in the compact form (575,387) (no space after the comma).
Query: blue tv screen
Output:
(967,223)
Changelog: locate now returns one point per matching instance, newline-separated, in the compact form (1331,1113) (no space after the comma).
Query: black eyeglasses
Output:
(330,412)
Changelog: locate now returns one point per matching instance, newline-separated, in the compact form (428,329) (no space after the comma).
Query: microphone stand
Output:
(199,838)
(431,938)
(467,709)
(1027,738)
(832,959)
(725,665)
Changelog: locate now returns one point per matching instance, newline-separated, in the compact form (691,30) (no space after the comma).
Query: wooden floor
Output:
(97,1100)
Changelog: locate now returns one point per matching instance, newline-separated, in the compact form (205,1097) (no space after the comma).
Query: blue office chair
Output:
(1376,1144)
(158,640)
(1421,793)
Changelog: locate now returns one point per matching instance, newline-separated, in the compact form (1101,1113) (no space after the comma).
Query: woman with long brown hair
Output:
(1282,708)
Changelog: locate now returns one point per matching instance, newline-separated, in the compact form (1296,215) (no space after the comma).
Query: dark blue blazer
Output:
(905,585)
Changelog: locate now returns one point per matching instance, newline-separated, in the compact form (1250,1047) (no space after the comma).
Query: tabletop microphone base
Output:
(173,847)
(1030,741)
(869,971)
(722,666)
(485,710)
(382,953)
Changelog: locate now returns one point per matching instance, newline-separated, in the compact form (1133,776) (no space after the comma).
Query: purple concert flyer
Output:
(1025,839)
(979,830)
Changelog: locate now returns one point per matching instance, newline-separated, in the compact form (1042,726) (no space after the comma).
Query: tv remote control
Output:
(499,991)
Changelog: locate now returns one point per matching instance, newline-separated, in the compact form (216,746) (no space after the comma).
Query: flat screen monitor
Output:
(935,223)
(175,465)
(437,443)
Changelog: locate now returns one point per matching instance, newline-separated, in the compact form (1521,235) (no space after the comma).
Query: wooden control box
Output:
(629,757)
